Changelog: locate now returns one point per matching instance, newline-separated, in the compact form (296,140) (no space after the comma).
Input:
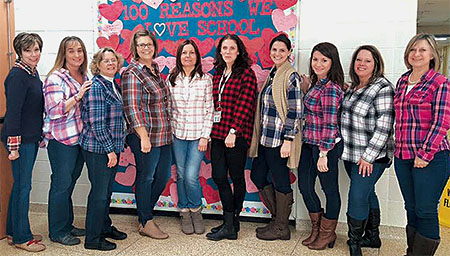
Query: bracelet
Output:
(76,98)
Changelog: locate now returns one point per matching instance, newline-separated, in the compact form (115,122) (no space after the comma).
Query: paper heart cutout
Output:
(250,186)
(207,64)
(153,3)
(160,45)
(159,28)
(264,53)
(172,46)
(162,62)
(173,173)
(137,1)
(111,12)
(166,191)
(174,193)
(126,34)
(112,42)
(126,157)
(205,170)
(126,178)
(284,4)
(211,196)
(252,46)
(205,46)
(261,75)
(292,177)
(124,47)
(112,29)
(283,22)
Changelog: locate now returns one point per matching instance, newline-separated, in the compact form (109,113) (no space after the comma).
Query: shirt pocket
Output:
(420,98)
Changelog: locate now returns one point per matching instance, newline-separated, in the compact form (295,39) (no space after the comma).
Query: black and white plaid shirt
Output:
(367,122)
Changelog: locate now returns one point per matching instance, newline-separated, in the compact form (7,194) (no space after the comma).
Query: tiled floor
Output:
(180,244)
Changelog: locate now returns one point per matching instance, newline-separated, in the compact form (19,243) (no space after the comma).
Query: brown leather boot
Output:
(268,197)
(280,228)
(315,224)
(327,235)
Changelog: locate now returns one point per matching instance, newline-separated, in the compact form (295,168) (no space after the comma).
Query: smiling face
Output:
(279,53)
(188,57)
(31,56)
(320,64)
(145,48)
(229,51)
(364,65)
(108,65)
(420,55)
(74,55)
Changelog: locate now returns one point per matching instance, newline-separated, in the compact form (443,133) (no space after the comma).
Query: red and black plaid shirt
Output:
(238,105)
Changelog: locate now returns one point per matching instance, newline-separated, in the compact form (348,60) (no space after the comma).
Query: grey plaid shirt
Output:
(367,122)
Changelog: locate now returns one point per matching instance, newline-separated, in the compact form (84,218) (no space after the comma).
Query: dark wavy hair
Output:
(378,70)
(281,37)
(242,61)
(336,73)
(179,67)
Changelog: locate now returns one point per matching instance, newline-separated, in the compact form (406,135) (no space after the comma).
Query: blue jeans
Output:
(66,163)
(102,179)
(421,189)
(152,174)
(270,161)
(307,174)
(188,160)
(362,196)
(18,224)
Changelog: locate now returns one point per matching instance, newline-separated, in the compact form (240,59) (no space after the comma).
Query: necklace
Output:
(412,82)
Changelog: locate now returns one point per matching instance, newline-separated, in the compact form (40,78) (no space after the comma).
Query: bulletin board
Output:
(256,22)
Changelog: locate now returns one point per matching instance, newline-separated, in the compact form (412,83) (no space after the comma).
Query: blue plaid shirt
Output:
(273,131)
(103,118)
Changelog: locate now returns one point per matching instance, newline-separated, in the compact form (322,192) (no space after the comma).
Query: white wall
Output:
(387,24)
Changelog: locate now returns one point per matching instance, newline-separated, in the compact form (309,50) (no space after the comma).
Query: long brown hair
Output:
(336,73)
(242,61)
(378,70)
(179,67)
(60,61)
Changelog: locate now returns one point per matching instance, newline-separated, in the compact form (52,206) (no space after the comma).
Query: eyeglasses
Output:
(113,61)
(143,46)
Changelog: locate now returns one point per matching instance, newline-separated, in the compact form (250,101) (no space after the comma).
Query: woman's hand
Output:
(230,140)
(306,82)
(365,168)
(84,88)
(322,164)
(112,160)
(285,150)
(13,155)
(146,146)
(419,163)
(202,144)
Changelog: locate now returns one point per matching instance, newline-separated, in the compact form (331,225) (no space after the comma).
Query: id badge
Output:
(217,116)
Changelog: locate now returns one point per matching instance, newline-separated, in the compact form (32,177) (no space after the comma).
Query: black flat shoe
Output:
(115,234)
(68,239)
(78,232)
(102,245)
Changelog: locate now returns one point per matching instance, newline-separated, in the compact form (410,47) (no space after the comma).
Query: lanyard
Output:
(223,81)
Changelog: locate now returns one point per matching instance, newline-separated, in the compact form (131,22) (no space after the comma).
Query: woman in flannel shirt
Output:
(146,99)
(322,145)
(276,126)
(64,88)
(101,141)
(192,113)
(21,134)
(367,124)
(234,95)
(422,115)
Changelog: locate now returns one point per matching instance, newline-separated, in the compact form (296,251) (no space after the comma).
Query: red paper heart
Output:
(264,53)
(284,4)
(252,46)
(166,191)
(171,46)
(112,42)
(137,1)
(126,178)
(111,12)
(160,45)
(211,196)
(204,46)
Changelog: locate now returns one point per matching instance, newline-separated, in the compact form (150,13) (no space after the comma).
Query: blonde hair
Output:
(60,61)
(141,33)
(98,56)
(435,62)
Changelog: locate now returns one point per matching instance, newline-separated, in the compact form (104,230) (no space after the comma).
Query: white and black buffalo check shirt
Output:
(367,122)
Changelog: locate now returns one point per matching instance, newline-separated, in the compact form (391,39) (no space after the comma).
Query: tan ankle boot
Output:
(327,235)
(152,230)
(31,246)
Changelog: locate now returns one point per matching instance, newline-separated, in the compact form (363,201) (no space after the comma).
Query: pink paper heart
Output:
(111,12)
(205,170)
(112,42)
(163,62)
(264,54)
(207,64)
(204,46)
(283,22)
(137,1)
(250,186)
(284,4)
(127,156)
(261,75)
(174,193)
(128,177)
(112,29)
(153,3)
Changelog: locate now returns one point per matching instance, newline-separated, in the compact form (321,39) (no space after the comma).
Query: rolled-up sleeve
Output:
(330,101)
(55,98)
(294,103)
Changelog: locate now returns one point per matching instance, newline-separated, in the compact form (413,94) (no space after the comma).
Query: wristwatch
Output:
(323,154)
(232,131)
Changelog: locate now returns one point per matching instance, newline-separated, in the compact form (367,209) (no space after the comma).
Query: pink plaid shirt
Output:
(422,116)
(63,127)
(192,107)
